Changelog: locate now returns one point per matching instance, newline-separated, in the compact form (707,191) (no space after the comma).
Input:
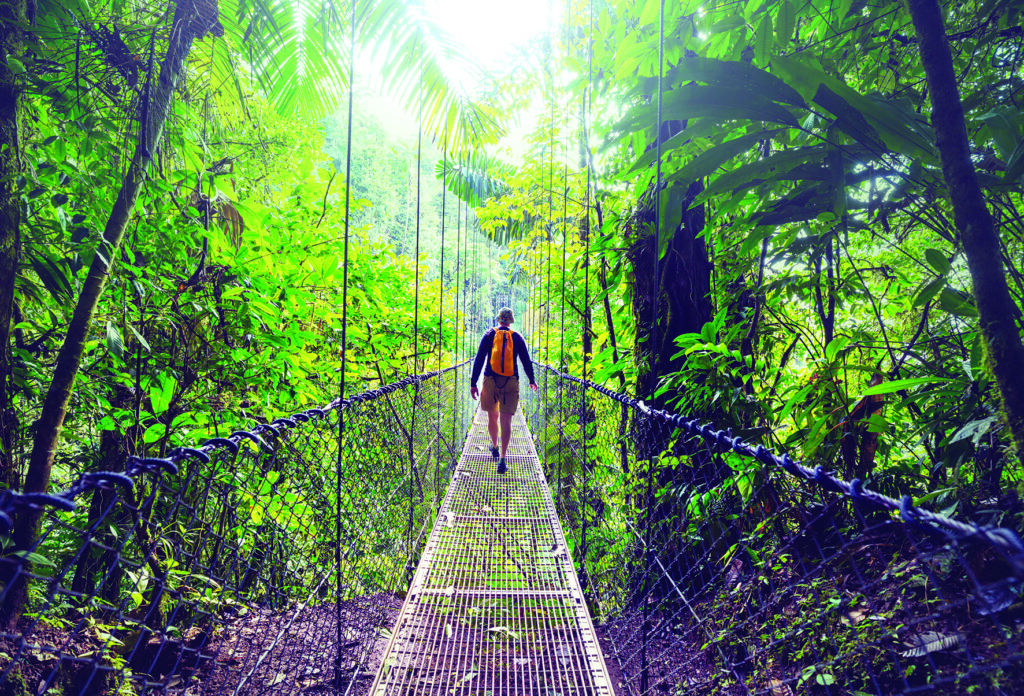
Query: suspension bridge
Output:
(369,546)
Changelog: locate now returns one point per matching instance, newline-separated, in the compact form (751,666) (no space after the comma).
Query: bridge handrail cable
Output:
(12,502)
(1004,539)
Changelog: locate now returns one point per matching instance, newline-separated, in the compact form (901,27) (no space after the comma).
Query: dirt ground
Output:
(282,653)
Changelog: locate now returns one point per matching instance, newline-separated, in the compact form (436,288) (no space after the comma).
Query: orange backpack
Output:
(502,355)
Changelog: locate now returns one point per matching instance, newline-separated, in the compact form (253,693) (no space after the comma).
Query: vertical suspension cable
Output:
(565,243)
(440,322)
(415,342)
(588,98)
(490,276)
(465,277)
(456,338)
(645,622)
(339,637)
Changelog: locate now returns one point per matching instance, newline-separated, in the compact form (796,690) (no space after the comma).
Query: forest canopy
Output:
(799,219)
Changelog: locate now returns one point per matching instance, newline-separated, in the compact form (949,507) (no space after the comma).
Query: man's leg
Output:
(506,432)
(492,426)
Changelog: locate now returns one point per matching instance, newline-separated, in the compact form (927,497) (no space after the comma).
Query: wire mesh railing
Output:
(263,562)
(716,567)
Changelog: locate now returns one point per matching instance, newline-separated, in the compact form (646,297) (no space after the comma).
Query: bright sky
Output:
(492,29)
(491,32)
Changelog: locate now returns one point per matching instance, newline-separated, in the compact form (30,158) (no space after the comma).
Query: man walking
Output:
(497,355)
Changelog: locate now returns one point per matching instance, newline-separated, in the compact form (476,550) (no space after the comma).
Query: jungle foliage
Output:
(814,288)
(842,323)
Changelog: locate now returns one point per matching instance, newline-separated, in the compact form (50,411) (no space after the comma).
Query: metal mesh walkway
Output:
(495,607)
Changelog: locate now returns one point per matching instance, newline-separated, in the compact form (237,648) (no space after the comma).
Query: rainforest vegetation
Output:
(800,219)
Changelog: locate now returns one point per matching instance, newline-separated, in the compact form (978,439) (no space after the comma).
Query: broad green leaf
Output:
(764,40)
(835,346)
(695,128)
(849,119)
(33,557)
(937,260)
(142,341)
(957,303)
(711,159)
(161,393)
(114,341)
(727,24)
(1015,165)
(785,22)
(737,75)
(725,104)
(53,276)
(777,166)
(928,291)
(15,66)
(888,119)
(901,384)
(154,432)
(975,429)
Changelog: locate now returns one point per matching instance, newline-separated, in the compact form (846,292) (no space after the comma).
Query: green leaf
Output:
(928,291)
(899,127)
(115,344)
(901,384)
(33,557)
(154,433)
(161,393)
(763,40)
(975,430)
(957,303)
(937,260)
(737,75)
(834,346)
(793,163)
(849,119)
(696,128)
(727,24)
(15,66)
(142,341)
(711,159)
(53,275)
(1015,165)
(724,104)
(58,199)
(785,22)
(650,12)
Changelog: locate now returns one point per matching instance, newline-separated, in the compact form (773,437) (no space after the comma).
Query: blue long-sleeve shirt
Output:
(483,357)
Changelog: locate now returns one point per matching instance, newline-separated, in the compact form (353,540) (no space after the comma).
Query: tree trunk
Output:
(682,299)
(978,234)
(187,25)
(13,15)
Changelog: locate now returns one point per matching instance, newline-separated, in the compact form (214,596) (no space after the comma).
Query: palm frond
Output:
(475,177)
(296,51)
(420,61)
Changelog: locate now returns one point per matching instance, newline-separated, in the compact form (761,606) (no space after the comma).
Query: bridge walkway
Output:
(495,607)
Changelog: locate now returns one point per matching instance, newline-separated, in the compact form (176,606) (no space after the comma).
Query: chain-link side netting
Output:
(258,563)
(716,567)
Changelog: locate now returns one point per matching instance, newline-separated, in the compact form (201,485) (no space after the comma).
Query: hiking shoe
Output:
(494,451)
(501,466)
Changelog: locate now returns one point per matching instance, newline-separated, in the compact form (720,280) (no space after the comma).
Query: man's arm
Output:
(524,355)
(481,357)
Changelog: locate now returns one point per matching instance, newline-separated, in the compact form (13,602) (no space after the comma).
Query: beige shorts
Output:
(500,393)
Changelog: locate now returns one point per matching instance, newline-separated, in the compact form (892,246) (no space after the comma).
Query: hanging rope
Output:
(410,566)
(457,337)
(645,635)
(339,465)
(440,314)
(565,244)
(588,98)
